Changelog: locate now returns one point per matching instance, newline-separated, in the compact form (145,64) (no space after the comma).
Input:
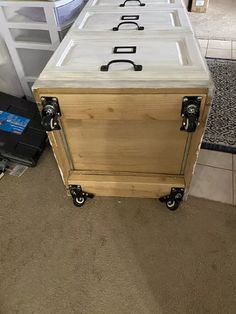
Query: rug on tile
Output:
(220,133)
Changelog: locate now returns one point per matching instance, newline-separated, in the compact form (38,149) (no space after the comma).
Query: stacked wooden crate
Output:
(125,99)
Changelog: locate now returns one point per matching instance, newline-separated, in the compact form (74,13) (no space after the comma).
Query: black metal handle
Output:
(140,3)
(105,67)
(139,28)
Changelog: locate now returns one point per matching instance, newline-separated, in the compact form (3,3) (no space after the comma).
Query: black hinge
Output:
(50,113)
(190,113)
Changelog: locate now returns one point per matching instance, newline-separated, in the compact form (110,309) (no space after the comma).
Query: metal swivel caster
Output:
(78,195)
(50,113)
(174,199)
(190,113)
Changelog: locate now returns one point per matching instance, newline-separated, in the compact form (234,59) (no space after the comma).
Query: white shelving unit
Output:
(32,31)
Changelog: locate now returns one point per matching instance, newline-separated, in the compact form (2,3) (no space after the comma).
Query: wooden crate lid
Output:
(158,19)
(167,60)
(134,3)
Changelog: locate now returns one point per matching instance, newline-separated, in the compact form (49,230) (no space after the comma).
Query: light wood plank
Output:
(121,107)
(53,91)
(60,155)
(126,186)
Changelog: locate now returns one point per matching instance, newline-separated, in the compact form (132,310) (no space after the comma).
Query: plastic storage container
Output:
(65,12)
(68,12)
(9,82)
(32,31)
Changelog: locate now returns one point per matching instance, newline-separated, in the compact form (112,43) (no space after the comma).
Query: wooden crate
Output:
(121,96)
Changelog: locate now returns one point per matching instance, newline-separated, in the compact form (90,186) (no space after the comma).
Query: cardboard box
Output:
(199,6)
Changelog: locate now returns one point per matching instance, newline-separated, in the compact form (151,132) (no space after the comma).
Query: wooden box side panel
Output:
(152,118)
(60,155)
(70,176)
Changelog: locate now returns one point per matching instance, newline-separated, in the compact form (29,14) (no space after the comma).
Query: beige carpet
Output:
(113,256)
(219,22)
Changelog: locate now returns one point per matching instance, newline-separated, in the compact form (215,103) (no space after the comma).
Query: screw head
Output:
(185,99)
(191,110)
(199,98)
(178,195)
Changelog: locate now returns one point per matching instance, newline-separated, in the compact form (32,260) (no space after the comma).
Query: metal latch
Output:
(50,113)
(190,113)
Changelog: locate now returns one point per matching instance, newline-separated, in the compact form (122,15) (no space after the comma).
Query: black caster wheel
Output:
(190,125)
(78,195)
(79,201)
(174,199)
(172,205)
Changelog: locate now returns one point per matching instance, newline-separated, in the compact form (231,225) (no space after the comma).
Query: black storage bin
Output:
(24,148)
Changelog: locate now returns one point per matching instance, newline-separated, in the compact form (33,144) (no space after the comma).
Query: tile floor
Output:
(225,49)
(215,173)
(215,177)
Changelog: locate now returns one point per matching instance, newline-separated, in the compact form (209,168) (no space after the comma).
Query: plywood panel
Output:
(139,146)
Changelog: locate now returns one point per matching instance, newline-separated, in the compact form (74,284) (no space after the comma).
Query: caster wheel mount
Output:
(78,195)
(174,199)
